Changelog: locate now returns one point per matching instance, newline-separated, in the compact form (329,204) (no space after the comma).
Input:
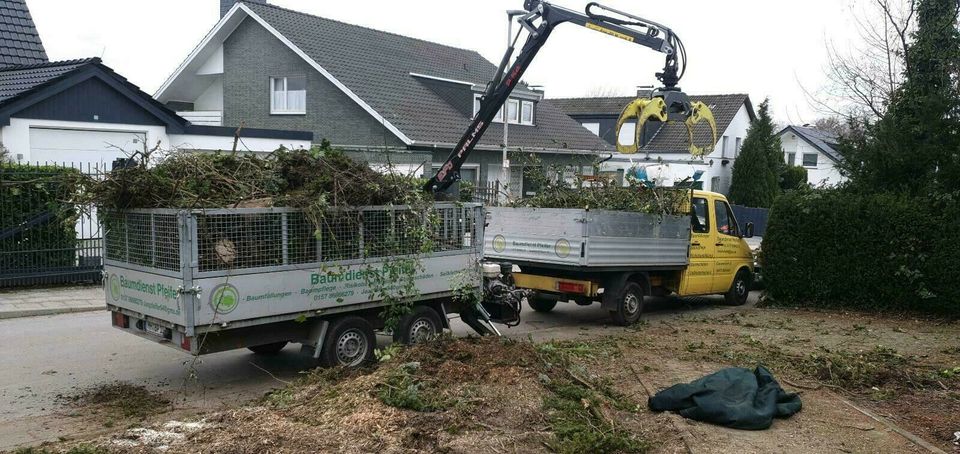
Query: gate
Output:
(44,239)
(758,216)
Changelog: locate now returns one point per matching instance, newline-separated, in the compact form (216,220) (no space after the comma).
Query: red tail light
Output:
(570,287)
(185,343)
(120,320)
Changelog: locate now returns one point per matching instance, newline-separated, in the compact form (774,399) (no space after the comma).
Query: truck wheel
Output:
(268,349)
(421,324)
(629,305)
(740,289)
(541,304)
(350,343)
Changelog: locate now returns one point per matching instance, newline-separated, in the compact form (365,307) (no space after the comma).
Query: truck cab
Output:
(623,257)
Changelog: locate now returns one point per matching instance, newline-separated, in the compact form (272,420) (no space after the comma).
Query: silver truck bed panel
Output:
(594,238)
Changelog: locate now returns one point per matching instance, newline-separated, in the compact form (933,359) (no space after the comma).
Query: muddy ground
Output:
(868,384)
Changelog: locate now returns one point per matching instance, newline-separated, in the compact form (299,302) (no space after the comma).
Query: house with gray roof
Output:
(664,146)
(84,114)
(816,151)
(384,97)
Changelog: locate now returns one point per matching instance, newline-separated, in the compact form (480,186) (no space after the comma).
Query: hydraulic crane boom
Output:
(541,17)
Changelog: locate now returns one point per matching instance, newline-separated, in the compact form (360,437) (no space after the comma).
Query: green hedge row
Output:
(835,248)
(27,192)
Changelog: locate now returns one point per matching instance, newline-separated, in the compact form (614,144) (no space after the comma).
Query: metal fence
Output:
(487,193)
(43,238)
(758,216)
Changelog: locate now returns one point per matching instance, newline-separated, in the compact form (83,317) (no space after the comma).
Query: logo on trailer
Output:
(224,298)
(114,287)
(562,248)
(499,243)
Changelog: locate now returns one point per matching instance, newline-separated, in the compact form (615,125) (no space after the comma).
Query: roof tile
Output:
(21,42)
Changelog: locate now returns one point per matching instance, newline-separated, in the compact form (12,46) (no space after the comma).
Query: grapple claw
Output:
(643,109)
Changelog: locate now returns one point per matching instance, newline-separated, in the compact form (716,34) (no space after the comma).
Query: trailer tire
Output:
(350,343)
(629,305)
(421,324)
(739,289)
(543,305)
(268,349)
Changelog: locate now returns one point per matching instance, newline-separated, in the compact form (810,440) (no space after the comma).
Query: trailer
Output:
(619,258)
(209,280)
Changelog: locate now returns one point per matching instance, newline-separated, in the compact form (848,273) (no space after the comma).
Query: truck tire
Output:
(739,289)
(541,304)
(421,324)
(350,343)
(268,349)
(629,305)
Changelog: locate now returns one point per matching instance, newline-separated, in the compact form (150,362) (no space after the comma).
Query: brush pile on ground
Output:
(318,178)
(471,395)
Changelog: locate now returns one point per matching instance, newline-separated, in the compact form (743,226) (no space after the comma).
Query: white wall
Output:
(16,138)
(212,97)
(824,174)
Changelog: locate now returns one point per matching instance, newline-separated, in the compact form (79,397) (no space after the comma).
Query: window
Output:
(809,159)
(476,109)
(791,157)
(288,95)
(723,149)
(518,112)
(513,111)
(593,127)
(700,216)
(736,152)
(726,223)
(715,184)
(526,112)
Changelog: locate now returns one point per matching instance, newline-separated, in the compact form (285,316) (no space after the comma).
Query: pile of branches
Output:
(599,192)
(316,179)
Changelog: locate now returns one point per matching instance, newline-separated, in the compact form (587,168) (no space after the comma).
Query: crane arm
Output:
(540,19)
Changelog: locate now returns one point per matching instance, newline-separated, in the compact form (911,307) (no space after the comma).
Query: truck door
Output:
(698,277)
(729,254)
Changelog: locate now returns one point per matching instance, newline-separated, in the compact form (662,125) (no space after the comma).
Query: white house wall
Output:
(16,139)
(824,174)
(212,98)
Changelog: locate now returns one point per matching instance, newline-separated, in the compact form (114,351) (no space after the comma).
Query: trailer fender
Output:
(613,286)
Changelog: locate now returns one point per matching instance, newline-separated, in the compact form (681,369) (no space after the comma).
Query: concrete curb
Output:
(18,313)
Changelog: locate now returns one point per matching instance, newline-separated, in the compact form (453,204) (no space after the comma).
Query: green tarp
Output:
(734,397)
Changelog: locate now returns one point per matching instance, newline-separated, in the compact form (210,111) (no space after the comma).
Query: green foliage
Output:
(915,146)
(756,173)
(27,192)
(403,388)
(840,248)
(793,177)
(561,187)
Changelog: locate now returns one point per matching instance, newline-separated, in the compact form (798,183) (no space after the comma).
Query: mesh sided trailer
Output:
(217,279)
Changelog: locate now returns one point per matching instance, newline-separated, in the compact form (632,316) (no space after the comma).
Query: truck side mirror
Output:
(748,230)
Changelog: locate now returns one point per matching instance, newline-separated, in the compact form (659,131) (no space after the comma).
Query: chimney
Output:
(225,5)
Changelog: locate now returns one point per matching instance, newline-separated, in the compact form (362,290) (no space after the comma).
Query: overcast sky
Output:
(761,47)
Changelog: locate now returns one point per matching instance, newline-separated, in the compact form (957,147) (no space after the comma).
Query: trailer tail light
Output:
(570,287)
(120,320)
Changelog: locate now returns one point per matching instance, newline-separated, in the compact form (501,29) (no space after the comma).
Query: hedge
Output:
(890,252)
(28,193)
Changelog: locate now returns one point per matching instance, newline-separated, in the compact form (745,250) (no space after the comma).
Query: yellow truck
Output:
(619,258)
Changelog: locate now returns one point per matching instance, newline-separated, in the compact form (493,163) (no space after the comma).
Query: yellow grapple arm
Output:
(644,109)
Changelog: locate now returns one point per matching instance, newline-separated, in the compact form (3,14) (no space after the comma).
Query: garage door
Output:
(83,146)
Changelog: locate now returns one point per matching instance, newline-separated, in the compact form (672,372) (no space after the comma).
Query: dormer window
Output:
(519,112)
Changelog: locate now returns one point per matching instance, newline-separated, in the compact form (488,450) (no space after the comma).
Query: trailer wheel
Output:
(268,349)
(541,304)
(740,289)
(421,324)
(350,343)
(629,305)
